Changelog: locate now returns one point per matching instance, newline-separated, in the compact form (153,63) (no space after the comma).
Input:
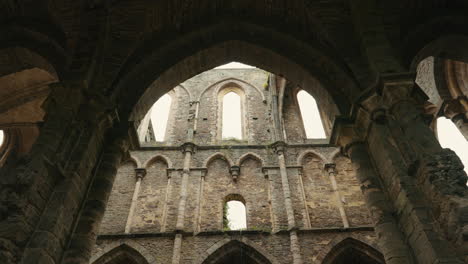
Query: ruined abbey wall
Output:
(145,218)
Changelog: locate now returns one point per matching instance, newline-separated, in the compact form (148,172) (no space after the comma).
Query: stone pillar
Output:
(140,174)
(61,169)
(331,170)
(391,240)
(26,185)
(294,240)
(187,149)
(304,201)
(413,211)
(437,173)
(84,236)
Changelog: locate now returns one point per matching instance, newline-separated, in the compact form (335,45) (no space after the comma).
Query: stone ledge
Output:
(236,232)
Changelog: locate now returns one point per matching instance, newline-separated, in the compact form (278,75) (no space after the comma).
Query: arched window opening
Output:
(232,118)
(159,117)
(2,136)
(450,137)
(234,215)
(310,115)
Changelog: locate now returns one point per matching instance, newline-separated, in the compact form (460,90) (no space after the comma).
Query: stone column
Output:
(68,166)
(140,174)
(391,240)
(304,200)
(27,185)
(295,247)
(413,208)
(331,170)
(438,173)
(84,236)
(187,149)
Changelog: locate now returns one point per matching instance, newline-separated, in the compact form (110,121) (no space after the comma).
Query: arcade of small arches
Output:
(88,174)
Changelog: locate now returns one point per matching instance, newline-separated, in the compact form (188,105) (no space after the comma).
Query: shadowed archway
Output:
(122,254)
(235,252)
(351,251)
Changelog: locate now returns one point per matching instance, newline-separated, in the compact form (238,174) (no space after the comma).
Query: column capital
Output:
(235,172)
(140,173)
(279,147)
(399,87)
(330,167)
(188,147)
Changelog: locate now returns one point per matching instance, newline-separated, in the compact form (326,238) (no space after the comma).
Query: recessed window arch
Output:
(231,105)
(450,137)
(234,213)
(310,114)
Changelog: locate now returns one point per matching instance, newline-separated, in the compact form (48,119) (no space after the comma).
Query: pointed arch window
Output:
(232,116)
(234,213)
(310,114)
(450,137)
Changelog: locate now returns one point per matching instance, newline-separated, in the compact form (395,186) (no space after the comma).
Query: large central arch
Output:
(171,59)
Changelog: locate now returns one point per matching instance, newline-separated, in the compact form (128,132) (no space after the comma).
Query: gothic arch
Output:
(225,247)
(351,249)
(227,42)
(123,251)
(444,46)
(300,158)
(334,155)
(164,158)
(225,82)
(50,55)
(187,91)
(252,156)
(217,155)
(132,161)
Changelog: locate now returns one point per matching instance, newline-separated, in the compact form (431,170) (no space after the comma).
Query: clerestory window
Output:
(234,215)
(232,116)
(310,115)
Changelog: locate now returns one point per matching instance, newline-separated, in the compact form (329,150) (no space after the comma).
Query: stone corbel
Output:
(235,172)
(140,173)
(330,167)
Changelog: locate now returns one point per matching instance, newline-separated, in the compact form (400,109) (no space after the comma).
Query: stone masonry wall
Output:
(248,169)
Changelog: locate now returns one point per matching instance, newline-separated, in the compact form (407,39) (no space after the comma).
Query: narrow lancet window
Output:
(232,119)
(160,116)
(450,137)
(234,215)
(310,115)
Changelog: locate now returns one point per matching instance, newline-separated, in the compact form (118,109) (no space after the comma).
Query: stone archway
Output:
(234,252)
(352,251)
(122,254)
